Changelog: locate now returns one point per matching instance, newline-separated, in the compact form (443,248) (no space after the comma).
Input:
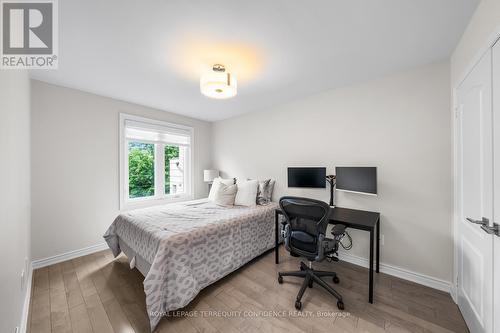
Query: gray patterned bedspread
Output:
(191,245)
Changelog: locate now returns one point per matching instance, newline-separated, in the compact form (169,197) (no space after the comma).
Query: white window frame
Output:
(159,197)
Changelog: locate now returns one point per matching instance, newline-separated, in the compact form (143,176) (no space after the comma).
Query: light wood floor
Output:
(97,293)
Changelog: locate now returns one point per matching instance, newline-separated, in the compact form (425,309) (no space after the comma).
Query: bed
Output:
(182,248)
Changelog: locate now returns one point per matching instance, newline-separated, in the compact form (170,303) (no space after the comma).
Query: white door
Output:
(496,180)
(475,189)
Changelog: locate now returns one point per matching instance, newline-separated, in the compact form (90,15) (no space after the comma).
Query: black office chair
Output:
(305,235)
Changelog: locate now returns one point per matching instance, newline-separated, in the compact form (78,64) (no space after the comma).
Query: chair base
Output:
(310,277)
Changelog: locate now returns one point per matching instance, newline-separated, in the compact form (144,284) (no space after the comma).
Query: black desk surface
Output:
(360,219)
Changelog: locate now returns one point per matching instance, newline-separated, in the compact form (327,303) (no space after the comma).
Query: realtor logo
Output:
(29,34)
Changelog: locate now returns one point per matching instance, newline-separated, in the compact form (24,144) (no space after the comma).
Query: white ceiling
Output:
(153,52)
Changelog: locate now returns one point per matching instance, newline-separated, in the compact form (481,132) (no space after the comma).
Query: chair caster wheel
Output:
(310,284)
(280,279)
(336,280)
(340,305)
(298,305)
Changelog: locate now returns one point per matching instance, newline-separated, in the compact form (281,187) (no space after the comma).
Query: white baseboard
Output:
(68,255)
(47,262)
(400,272)
(454,294)
(23,327)
(353,259)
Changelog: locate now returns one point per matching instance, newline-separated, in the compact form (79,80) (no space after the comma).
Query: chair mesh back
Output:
(305,214)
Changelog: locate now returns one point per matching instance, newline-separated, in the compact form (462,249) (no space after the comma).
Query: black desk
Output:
(352,218)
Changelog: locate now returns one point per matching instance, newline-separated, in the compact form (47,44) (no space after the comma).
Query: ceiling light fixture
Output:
(218,83)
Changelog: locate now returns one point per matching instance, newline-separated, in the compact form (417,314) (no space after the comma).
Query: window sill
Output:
(150,202)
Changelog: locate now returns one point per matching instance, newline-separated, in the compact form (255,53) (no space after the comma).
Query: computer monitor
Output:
(357,179)
(307,177)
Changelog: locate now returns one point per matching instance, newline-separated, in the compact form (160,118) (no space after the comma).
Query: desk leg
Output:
(378,246)
(370,291)
(276,239)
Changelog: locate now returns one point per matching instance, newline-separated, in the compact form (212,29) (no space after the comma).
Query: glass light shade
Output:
(219,85)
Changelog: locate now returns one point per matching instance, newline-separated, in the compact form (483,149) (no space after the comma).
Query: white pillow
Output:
(247,193)
(225,194)
(215,186)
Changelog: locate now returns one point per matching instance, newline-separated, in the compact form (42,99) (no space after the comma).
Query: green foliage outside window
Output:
(141,168)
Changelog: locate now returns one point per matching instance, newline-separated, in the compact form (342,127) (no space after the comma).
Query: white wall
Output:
(399,124)
(14,194)
(75,165)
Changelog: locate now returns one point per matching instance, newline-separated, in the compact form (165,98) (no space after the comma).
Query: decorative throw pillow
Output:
(247,193)
(215,186)
(265,192)
(225,194)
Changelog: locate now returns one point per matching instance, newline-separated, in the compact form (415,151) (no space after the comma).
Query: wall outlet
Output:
(22,279)
(382,240)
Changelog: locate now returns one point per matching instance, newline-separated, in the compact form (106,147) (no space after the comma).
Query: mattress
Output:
(182,248)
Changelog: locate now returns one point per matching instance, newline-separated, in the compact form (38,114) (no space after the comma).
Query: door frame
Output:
(487,45)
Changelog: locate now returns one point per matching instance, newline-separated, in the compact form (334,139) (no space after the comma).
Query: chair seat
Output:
(304,241)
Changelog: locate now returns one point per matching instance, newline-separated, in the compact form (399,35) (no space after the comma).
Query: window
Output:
(175,166)
(141,169)
(155,162)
